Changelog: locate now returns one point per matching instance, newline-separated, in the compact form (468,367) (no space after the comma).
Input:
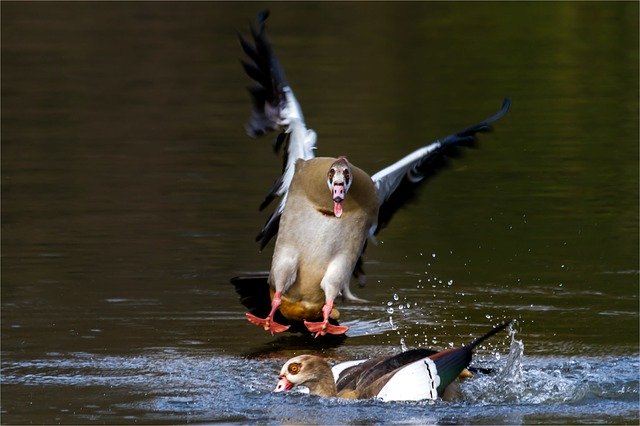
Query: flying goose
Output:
(328,206)
(413,375)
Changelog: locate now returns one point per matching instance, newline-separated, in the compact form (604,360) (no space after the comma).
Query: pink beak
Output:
(283,385)
(338,198)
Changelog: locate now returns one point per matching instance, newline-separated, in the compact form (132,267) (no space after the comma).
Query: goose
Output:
(328,206)
(413,375)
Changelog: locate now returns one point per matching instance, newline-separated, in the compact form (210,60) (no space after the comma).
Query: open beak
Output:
(338,198)
(283,385)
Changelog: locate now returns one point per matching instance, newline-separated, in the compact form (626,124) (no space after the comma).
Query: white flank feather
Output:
(417,381)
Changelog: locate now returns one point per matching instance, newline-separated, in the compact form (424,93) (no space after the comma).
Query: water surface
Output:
(130,194)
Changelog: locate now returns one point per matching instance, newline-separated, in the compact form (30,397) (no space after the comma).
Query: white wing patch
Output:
(302,141)
(417,381)
(388,179)
(339,368)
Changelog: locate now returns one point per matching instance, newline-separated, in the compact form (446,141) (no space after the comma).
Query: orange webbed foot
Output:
(323,327)
(267,323)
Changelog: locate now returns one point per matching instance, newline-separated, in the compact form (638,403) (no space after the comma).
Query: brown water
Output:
(130,194)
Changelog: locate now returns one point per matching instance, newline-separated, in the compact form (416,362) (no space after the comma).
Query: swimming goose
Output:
(413,375)
(328,206)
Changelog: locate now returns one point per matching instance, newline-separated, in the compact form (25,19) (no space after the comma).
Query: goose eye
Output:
(332,173)
(294,368)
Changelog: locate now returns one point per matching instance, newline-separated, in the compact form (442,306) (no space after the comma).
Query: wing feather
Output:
(274,108)
(397,183)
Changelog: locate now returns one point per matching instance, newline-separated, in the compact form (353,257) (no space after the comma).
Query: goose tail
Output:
(475,342)
(255,295)
(450,363)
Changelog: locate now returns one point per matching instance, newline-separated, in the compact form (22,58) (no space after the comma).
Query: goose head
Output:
(339,179)
(307,370)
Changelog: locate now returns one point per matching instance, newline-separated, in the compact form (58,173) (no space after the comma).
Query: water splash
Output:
(510,377)
(506,384)
(180,386)
(526,380)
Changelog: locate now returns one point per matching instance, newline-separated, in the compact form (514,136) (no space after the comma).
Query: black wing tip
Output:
(269,230)
(506,105)
(263,238)
(467,137)
(485,125)
(267,200)
(259,239)
(257,27)
(263,67)
(262,16)
(490,333)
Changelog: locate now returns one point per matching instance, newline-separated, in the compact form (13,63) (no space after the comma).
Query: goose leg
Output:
(283,275)
(338,272)
(268,323)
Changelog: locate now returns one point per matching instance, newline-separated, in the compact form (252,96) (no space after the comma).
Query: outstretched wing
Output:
(396,185)
(274,108)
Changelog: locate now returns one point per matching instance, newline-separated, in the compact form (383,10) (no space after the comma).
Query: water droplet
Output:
(389,311)
(395,297)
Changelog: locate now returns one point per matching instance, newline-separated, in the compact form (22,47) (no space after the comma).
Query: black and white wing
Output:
(397,183)
(274,108)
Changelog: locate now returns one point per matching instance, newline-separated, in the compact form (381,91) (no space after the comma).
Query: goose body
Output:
(321,258)
(328,206)
(413,375)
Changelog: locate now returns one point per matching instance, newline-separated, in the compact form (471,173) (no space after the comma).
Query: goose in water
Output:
(413,375)
(328,206)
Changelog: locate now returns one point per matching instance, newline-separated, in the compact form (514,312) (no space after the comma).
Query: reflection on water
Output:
(130,194)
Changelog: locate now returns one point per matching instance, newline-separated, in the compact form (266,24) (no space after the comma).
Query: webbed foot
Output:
(267,323)
(323,327)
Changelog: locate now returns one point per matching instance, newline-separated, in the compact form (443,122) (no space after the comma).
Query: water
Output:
(130,194)
(182,386)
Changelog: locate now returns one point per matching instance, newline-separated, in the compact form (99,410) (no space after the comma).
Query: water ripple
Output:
(175,386)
